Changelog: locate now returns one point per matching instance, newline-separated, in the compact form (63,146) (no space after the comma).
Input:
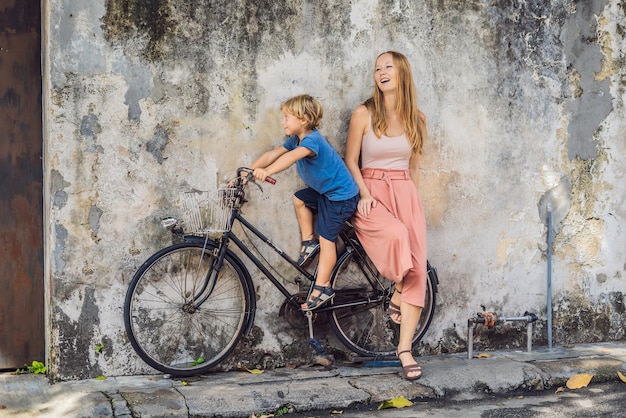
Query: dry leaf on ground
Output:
(579,380)
(621,376)
(253,371)
(482,355)
(400,402)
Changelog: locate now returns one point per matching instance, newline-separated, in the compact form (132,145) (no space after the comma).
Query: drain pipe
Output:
(553,208)
(549,256)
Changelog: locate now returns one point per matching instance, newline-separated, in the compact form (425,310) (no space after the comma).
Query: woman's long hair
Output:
(406,105)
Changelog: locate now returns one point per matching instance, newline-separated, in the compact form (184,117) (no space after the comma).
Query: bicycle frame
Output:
(229,236)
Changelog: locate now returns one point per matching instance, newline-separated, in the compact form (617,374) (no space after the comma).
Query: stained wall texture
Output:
(525,107)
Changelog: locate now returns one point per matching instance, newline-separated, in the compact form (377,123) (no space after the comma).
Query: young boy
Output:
(332,192)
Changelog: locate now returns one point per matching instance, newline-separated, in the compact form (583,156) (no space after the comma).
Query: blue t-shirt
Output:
(325,172)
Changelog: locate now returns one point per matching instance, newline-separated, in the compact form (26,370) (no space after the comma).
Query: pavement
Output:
(305,390)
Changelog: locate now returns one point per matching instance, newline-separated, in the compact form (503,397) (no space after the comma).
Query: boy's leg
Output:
(305,218)
(327,260)
(331,216)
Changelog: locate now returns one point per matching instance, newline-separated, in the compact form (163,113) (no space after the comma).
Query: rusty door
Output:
(21,185)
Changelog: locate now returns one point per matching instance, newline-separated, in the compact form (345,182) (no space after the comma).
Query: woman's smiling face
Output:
(385,73)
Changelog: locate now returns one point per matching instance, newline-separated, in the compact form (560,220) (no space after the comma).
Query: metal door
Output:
(21,189)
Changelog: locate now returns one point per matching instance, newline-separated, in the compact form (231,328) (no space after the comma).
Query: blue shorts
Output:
(331,214)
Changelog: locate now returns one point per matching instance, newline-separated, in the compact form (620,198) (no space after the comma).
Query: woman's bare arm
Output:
(358,127)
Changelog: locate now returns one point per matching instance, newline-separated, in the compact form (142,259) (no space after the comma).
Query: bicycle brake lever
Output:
(256,184)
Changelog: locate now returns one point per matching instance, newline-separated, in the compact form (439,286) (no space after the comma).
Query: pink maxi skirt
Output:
(394,233)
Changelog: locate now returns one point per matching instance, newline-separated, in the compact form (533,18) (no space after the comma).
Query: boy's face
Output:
(292,125)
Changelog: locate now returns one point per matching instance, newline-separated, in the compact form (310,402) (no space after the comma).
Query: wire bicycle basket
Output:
(205,212)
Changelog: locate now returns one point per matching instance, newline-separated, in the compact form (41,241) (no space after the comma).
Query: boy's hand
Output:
(232,182)
(261,174)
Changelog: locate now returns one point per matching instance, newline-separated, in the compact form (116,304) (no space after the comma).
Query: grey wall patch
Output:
(158,143)
(95,213)
(89,130)
(60,239)
(57,186)
(592,101)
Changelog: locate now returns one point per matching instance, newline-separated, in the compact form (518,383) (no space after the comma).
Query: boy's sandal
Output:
(326,294)
(309,249)
(411,368)
(394,311)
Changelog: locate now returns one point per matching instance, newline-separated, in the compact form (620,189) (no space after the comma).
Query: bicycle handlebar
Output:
(240,170)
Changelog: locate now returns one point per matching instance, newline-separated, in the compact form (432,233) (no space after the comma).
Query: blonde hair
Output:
(406,105)
(305,107)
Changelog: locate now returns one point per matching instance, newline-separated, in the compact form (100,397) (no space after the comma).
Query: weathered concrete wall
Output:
(525,103)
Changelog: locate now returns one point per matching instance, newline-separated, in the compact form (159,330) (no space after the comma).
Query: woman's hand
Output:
(365,205)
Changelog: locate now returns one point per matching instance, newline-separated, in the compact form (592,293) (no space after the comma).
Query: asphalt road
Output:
(607,400)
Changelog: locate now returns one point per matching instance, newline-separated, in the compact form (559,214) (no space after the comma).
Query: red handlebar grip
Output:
(270,180)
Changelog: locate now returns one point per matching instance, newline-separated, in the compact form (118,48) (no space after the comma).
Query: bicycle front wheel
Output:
(362,324)
(180,316)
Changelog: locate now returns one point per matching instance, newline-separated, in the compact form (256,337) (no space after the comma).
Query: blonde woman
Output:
(383,149)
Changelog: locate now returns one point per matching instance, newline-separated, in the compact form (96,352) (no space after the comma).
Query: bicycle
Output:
(189,304)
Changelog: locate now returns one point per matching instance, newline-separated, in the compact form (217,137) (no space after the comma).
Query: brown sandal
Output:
(411,368)
(394,309)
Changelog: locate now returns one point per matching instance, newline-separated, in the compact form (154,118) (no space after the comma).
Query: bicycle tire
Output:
(365,328)
(166,330)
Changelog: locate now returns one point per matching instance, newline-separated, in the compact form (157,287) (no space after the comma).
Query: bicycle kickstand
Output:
(314,343)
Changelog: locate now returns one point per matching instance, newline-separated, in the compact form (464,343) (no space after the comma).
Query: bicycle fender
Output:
(432,274)
(235,260)
(346,253)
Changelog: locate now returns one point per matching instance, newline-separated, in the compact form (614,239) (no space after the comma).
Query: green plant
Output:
(200,360)
(36,367)
(99,348)
(281,411)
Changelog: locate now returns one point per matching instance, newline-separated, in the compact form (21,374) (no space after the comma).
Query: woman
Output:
(386,135)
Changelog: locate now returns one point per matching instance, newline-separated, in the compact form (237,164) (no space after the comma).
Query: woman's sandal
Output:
(326,294)
(309,249)
(394,311)
(411,368)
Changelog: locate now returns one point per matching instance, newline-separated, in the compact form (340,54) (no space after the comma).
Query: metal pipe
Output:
(470,338)
(480,319)
(549,256)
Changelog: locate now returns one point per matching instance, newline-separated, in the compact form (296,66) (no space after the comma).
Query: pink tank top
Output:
(388,152)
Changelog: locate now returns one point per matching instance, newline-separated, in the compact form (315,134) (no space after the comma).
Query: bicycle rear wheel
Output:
(180,318)
(364,327)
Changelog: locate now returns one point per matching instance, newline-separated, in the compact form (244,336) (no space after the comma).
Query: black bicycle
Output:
(189,304)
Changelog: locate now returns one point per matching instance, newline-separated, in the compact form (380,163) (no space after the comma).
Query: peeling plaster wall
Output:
(525,105)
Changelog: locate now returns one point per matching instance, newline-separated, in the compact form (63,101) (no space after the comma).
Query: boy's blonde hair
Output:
(305,107)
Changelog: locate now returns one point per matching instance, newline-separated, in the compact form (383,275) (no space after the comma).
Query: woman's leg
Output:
(394,303)
(410,317)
